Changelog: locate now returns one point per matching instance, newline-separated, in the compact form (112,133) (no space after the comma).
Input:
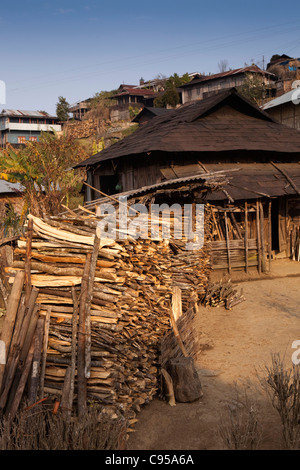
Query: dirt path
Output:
(242,341)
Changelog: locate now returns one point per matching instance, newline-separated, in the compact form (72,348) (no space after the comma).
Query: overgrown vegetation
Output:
(253,88)
(171,96)
(40,429)
(240,429)
(283,387)
(62,109)
(44,170)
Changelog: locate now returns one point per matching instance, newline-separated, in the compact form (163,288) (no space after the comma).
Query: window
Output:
(33,138)
(21,139)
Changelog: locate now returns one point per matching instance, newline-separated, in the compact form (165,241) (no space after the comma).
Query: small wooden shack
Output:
(257,215)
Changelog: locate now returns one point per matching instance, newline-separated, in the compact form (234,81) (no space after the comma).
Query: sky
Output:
(76,49)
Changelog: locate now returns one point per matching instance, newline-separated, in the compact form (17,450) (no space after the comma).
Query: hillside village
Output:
(91,316)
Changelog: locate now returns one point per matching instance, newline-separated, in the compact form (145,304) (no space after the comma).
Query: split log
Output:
(186,382)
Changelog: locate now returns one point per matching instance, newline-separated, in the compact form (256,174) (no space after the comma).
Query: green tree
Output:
(171,96)
(253,88)
(62,109)
(45,171)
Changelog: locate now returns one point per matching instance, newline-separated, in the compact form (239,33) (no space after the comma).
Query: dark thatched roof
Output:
(194,127)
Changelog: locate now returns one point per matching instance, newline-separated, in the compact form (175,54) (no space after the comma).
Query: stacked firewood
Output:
(222,294)
(98,309)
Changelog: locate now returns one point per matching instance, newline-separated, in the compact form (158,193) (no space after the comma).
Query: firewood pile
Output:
(222,294)
(87,317)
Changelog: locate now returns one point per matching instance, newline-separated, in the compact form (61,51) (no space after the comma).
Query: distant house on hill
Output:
(79,109)
(131,95)
(206,85)
(286,108)
(18,127)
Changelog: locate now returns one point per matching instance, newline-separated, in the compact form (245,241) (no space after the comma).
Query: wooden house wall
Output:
(287,114)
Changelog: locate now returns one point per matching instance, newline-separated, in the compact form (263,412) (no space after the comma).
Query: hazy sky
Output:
(77,48)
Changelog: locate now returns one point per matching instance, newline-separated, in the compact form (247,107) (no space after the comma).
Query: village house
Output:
(287,71)
(80,109)
(18,127)
(257,213)
(285,108)
(206,85)
(11,207)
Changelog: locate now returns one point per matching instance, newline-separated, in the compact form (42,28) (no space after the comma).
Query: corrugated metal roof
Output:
(291,96)
(247,69)
(6,187)
(26,113)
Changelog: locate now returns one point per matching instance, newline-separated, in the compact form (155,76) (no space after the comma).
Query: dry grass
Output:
(240,429)
(283,387)
(40,429)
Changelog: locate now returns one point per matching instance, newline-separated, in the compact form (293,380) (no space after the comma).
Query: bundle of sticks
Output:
(222,294)
(90,314)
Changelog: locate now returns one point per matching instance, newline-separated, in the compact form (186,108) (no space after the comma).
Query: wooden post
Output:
(81,378)
(36,362)
(44,355)
(270,233)
(262,230)
(27,267)
(258,237)
(13,408)
(89,296)
(74,350)
(227,242)
(11,312)
(246,237)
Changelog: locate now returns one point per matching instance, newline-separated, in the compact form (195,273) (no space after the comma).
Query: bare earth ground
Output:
(241,342)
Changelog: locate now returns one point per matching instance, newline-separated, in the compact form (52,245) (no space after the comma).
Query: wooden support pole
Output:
(270,233)
(36,362)
(27,267)
(262,230)
(258,237)
(89,297)
(11,312)
(81,378)
(246,237)
(44,354)
(227,242)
